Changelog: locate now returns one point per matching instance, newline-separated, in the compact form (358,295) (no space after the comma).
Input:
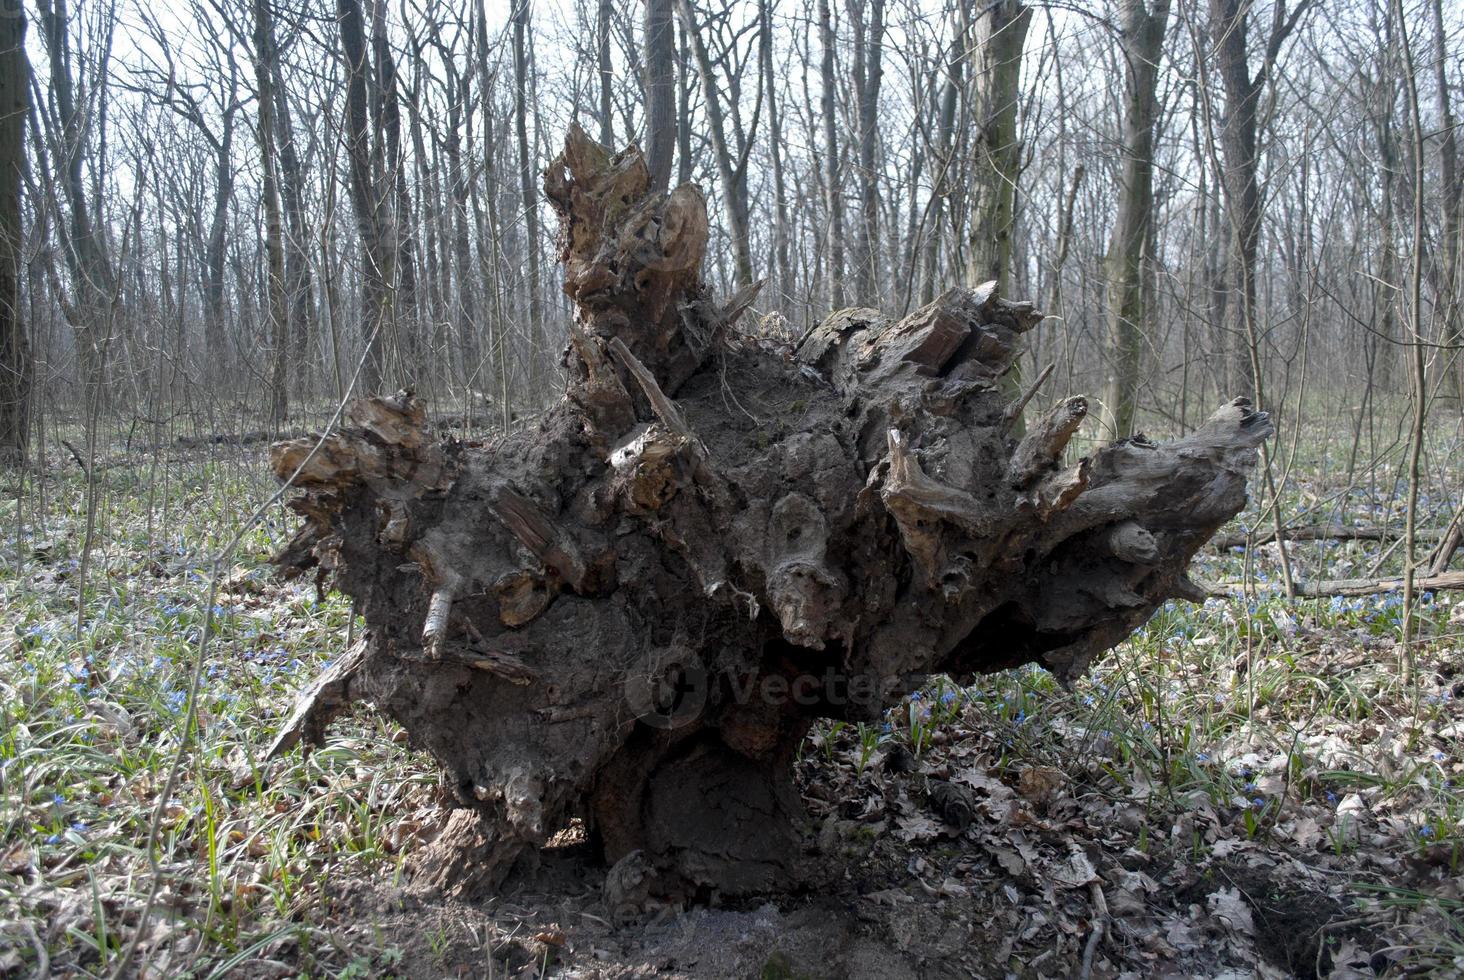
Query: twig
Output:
(1014,410)
(76,455)
(1100,926)
(43,959)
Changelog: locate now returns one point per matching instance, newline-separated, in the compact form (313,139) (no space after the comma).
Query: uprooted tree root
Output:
(632,611)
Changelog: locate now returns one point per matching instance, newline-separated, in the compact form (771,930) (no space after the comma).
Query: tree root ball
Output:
(631,611)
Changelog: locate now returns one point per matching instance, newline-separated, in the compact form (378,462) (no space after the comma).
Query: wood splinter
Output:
(439,612)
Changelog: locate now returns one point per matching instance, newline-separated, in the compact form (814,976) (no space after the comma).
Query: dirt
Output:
(997,900)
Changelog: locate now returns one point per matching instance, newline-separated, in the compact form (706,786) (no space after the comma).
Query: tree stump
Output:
(632,611)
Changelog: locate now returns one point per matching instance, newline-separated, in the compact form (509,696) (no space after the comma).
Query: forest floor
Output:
(1248,787)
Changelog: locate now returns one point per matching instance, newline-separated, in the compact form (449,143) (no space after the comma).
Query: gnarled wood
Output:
(632,611)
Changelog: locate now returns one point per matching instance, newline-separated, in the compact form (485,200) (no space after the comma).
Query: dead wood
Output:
(1321,532)
(1356,586)
(631,611)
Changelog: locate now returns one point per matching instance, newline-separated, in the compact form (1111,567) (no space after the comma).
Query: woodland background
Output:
(213,207)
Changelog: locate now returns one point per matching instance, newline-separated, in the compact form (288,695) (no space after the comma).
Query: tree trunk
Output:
(1143,45)
(660,82)
(1229,26)
(771,83)
(833,186)
(85,247)
(607,70)
(731,161)
(631,611)
(277,306)
(377,319)
(1230,34)
(215,313)
(944,163)
(1001,35)
(536,354)
(1453,329)
(16,367)
(396,207)
(299,282)
(868,72)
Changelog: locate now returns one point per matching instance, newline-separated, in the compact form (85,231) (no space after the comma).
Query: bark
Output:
(660,82)
(1143,45)
(1453,330)
(1001,35)
(529,196)
(1230,33)
(868,73)
(83,243)
(366,198)
(277,306)
(632,611)
(943,163)
(607,71)
(465,309)
(16,366)
(396,207)
(215,310)
(833,188)
(731,160)
(299,281)
(771,80)
(684,159)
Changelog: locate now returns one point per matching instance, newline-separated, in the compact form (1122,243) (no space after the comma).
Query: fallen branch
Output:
(1321,532)
(1352,586)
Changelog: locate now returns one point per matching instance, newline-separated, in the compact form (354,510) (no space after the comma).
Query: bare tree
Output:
(366,194)
(606,70)
(1453,330)
(277,305)
(1143,43)
(1000,37)
(660,89)
(868,18)
(15,356)
(775,152)
(69,123)
(833,188)
(1230,35)
(527,183)
(731,141)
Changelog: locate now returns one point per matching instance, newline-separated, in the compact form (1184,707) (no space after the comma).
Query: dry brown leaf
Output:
(1231,910)
(1039,784)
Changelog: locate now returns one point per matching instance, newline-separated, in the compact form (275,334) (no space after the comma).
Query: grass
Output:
(1255,711)
(92,719)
